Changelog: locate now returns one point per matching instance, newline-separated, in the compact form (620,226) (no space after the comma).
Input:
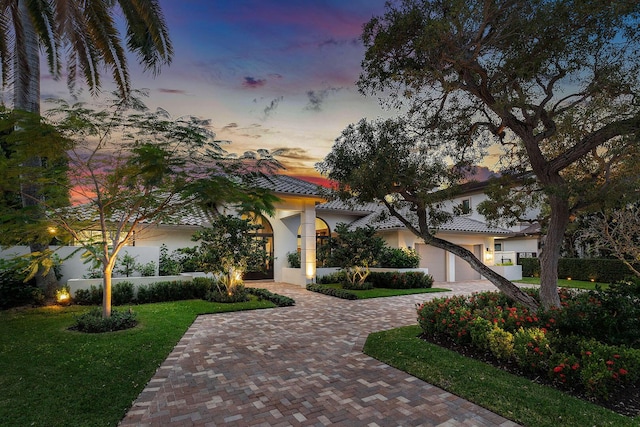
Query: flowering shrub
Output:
(531,349)
(500,343)
(480,329)
(448,316)
(558,343)
(564,369)
(606,367)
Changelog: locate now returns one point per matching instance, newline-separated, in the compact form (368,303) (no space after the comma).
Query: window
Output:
(465,207)
(497,247)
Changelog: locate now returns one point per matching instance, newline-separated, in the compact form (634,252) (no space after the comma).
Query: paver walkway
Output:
(299,365)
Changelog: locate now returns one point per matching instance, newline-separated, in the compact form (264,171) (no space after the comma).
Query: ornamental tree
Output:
(130,168)
(514,74)
(355,251)
(228,249)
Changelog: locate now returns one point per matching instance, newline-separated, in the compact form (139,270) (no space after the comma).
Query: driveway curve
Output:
(299,366)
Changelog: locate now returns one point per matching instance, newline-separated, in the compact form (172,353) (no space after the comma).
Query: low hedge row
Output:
(124,292)
(277,299)
(334,292)
(389,280)
(396,280)
(198,288)
(597,269)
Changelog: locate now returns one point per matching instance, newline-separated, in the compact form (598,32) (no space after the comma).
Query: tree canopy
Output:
(555,84)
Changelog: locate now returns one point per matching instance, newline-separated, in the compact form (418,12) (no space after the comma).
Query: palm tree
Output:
(85,31)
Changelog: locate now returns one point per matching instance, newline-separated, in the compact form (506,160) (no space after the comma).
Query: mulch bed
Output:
(625,402)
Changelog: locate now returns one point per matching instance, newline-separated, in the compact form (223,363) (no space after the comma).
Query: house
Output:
(303,219)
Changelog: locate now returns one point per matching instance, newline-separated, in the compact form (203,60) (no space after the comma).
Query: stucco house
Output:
(303,219)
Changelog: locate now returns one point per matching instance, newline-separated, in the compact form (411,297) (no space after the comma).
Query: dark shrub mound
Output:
(14,291)
(277,299)
(92,321)
(326,290)
(216,294)
(357,286)
(397,280)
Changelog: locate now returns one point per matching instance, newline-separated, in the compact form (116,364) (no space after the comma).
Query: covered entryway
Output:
(264,236)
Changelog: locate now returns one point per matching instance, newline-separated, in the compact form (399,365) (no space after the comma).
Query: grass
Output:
(511,396)
(564,283)
(387,292)
(50,376)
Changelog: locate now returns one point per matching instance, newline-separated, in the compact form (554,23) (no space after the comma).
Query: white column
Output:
(450,271)
(308,242)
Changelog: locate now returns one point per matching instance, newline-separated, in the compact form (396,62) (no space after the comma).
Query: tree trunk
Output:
(107,272)
(26,97)
(504,285)
(558,222)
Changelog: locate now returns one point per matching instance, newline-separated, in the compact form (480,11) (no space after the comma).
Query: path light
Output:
(63,296)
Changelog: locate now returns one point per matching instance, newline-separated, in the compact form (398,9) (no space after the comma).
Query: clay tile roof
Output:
(340,206)
(284,184)
(457,224)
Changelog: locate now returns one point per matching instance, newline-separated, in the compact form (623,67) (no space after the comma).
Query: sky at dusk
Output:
(269,73)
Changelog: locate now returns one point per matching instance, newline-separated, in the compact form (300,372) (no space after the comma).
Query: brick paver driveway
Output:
(299,365)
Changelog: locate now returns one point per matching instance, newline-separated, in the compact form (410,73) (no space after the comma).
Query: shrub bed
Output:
(164,291)
(93,322)
(277,299)
(390,280)
(14,291)
(395,280)
(590,345)
(339,293)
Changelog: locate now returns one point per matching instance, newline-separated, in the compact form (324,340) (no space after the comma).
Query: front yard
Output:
(51,376)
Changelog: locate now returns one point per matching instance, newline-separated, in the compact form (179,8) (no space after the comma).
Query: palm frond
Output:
(147,33)
(106,40)
(44,23)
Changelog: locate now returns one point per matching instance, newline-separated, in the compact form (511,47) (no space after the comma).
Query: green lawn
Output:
(50,376)
(579,284)
(512,397)
(387,292)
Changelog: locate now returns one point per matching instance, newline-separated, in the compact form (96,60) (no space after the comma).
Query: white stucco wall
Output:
(75,268)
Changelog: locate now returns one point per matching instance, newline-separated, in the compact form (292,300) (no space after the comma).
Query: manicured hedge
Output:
(334,292)
(277,299)
(600,270)
(198,288)
(396,280)
(389,280)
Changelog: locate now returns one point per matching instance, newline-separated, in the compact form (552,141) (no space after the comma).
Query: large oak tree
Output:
(514,72)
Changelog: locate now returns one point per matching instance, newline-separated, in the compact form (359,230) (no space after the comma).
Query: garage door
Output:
(433,259)
(463,269)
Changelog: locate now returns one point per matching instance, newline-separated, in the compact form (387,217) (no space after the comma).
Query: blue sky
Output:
(269,73)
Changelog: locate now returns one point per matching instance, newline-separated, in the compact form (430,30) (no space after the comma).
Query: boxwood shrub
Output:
(334,292)
(396,280)
(93,322)
(277,299)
